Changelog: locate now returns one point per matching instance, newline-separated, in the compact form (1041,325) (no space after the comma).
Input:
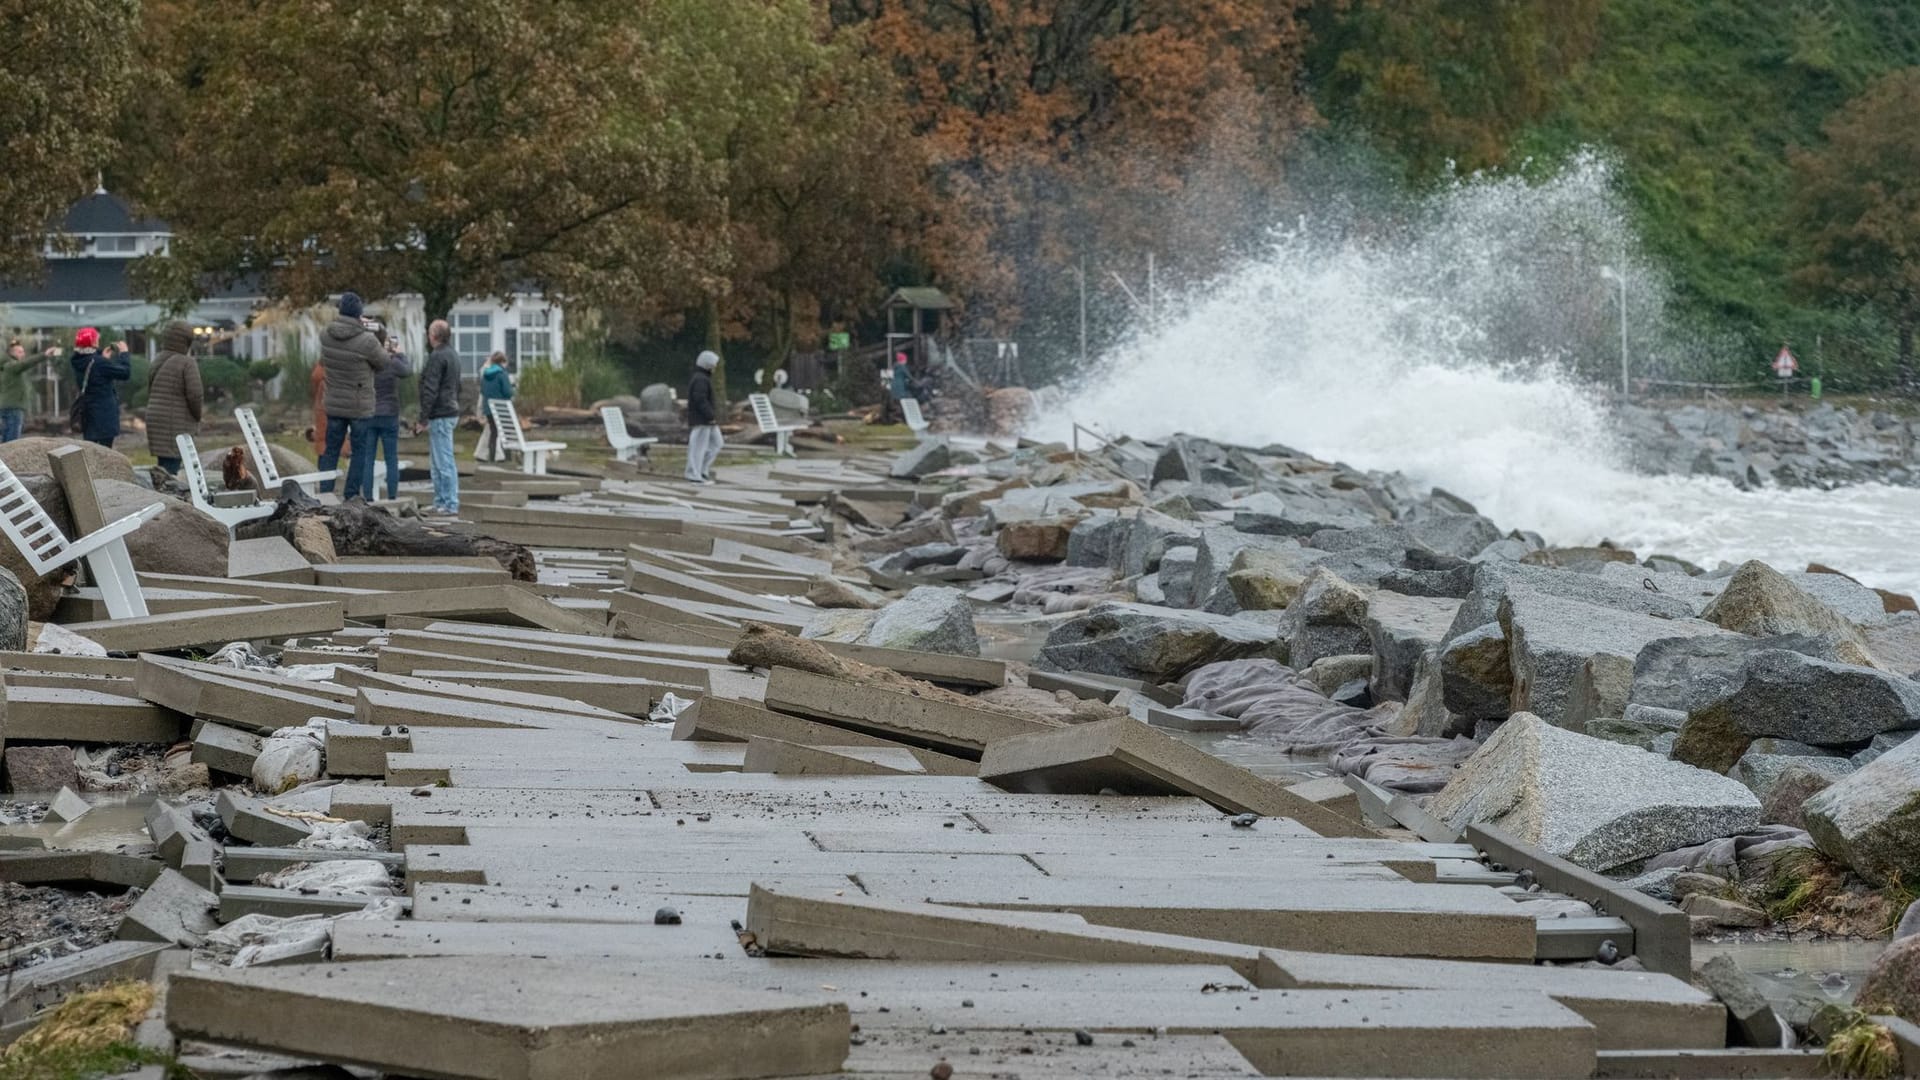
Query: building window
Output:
(473,340)
(117,245)
(536,337)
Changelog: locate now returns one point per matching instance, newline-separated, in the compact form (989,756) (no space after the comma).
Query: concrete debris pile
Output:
(660,804)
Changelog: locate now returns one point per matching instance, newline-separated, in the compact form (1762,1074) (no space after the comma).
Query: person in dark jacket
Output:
(440,412)
(95,370)
(174,395)
(385,422)
(353,356)
(703,421)
(16,390)
(495,385)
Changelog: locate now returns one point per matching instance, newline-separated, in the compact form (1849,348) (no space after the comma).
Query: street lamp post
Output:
(1608,273)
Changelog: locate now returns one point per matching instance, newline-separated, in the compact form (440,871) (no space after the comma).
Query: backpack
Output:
(77,413)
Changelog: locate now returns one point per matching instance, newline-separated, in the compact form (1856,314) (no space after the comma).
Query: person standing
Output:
(95,370)
(174,395)
(353,356)
(385,423)
(703,421)
(440,412)
(16,395)
(495,385)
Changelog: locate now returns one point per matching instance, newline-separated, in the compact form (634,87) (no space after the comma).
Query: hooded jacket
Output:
(99,401)
(174,394)
(700,409)
(353,356)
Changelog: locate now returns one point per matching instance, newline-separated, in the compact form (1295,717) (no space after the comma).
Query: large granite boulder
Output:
(1476,674)
(1596,803)
(1460,535)
(1759,601)
(1402,630)
(13,612)
(1492,581)
(658,398)
(1786,799)
(1219,553)
(1551,638)
(1790,695)
(927,619)
(1687,673)
(1149,535)
(1265,578)
(929,457)
(28,456)
(1176,576)
(1870,820)
(1328,619)
(181,540)
(1762,772)
(1095,539)
(1157,644)
(1892,985)
(1042,540)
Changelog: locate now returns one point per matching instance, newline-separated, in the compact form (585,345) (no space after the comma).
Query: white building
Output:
(86,284)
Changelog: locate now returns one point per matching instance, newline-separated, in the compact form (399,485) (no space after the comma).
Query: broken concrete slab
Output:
(1128,757)
(902,717)
(60,714)
(716,719)
(224,749)
(372,939)
(215,626)
(67,806)
(268,558)
(172,830)
(531,1020)
(1750,1014)
(174,910)
(232,698)
(255,820)
(239,901)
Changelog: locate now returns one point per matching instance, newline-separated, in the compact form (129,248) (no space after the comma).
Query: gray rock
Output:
(1845,597)
(1793,696)
(1760,772)
(1628,732)
(1909,922)
(38,769)
(1593,802)
(1786,798)
(1721,911)
(1599,691)
(1092,542)
(1156,644)
(927,619)
(919,555)
(1880,745)
(1686,673)
(1220,548)
(1260,578)
(1401,631)
(1176,575)
(1425,712)
(1328,619)
(1747,1007)
(1504,550)
(930,456)
(1198,497)
(1262,512)
(1147,590)
(1149,535)
(13,612)
(1476,674)
(1870,820)
(1759,601)
(1492,581)
(1550,640)
(658,397)
(1460,535)
(1698,592)
(1654,716)
(1656,883)
(1330,673)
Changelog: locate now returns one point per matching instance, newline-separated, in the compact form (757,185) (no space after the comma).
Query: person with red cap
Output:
(95,416)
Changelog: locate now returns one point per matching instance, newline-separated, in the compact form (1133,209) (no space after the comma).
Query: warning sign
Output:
(1784,365)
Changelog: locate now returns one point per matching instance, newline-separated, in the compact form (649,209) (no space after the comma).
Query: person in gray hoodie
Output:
(385,422)
(353,356)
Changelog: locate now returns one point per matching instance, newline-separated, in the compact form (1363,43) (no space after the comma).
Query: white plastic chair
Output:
(916,421)
(533,455)
(625,446)
(202,495)
(262,456)
(770,424)
(47,549)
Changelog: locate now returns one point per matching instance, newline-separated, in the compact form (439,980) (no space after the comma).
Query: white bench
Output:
(202,495)
(625,446)
(262,456)
(770,424)
(916,421)
(47,549)
(533,455)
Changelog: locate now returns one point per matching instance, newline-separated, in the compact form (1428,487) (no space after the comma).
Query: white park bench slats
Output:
(262,456)
(533,455)
(202,495)
(916,420)
(46,548)
(770,424)
(625,447)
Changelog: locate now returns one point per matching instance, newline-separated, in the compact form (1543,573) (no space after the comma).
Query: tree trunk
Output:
(359,529)
(1906,374)
(713,345)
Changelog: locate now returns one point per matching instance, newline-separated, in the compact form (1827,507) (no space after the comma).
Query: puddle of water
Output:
(1786,970)
(1261,759)
(116,820)
(1012,636)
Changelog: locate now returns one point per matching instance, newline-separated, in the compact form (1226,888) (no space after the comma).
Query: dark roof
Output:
(98,281)
(924,298)
(102,212)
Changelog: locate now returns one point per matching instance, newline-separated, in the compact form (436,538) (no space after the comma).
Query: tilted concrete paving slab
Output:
(371,939)
(897,715)
(173,910)
(472,1017)
(360,678)
(225,749)
(719,719)
(58,714)
(631,697)
(213,693)
(1131,758)
(212,626)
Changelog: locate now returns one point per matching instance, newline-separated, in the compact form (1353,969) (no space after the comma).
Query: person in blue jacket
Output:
(95,370)
(495,385)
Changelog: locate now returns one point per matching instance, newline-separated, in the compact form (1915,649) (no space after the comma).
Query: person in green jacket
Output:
(16,395)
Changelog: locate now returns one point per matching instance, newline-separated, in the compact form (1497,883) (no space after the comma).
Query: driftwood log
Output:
(359,529)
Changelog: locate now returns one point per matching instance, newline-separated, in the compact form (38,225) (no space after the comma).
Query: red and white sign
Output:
(1785,365)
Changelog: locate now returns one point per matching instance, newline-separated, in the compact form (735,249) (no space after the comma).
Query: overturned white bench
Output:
(625,447)
(262,456)
(533,454)
(916,420)
(47,549)
(770,424)
(202,495)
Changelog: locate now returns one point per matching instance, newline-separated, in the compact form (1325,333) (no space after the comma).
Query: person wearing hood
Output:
(353,356)
(174,395)
(96,412)
(386,410)
(703,421)
(496,384)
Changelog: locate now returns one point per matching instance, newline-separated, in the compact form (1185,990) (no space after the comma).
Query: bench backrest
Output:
(763,412)
(616,422)
(191,469)
(508,421)
(910,408)
(257,448)
(27,524)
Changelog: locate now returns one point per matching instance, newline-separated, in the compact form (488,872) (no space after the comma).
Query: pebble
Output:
(942,1071)
(1243,821)
(666,916)
(1083,1037)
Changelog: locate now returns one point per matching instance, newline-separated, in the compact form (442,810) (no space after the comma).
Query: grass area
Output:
(86,1036)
